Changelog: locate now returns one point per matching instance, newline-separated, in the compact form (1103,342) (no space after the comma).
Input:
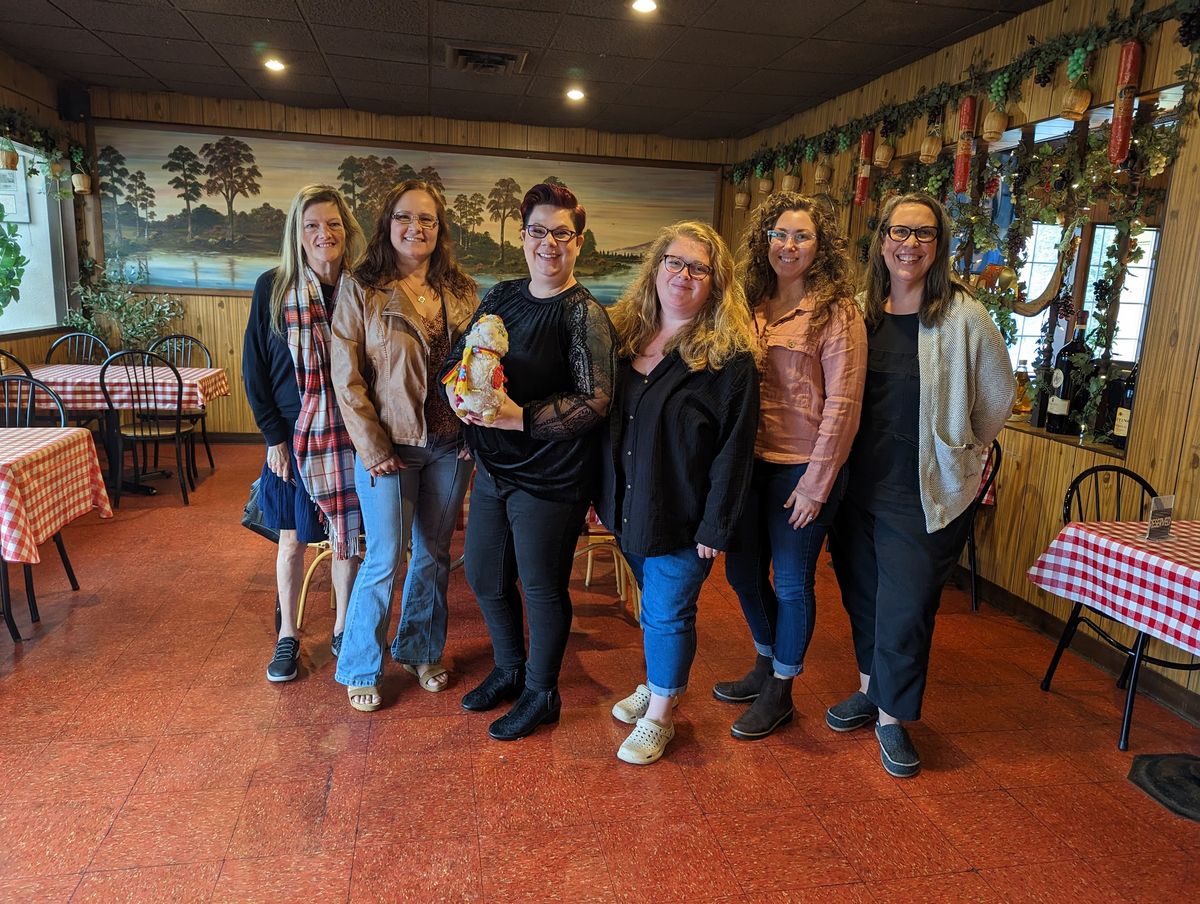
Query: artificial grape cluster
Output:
(828,144)
(843,142)
(999,90)
(1077,64)
(1045,75)
(991,187)
(1101,291)
(1189,27)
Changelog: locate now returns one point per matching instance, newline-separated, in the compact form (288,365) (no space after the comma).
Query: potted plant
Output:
(9,158)
(115,306)
(81,177)
(12,263)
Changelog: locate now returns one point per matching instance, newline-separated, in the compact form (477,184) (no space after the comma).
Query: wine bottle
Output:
(1114,394)
(1120,431)
(1064,382)
(1021,403)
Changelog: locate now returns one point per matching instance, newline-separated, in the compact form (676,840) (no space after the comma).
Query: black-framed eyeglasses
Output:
(424,220)
(924,234)
(561,233)
(781,236)
(678,265)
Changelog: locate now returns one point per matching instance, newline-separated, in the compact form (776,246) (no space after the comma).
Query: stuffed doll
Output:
(479,377)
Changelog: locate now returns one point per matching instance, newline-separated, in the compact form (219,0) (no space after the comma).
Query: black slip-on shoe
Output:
(896,751)
(853,712)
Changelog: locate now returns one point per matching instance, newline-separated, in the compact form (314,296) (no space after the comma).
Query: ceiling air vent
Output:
(486,60)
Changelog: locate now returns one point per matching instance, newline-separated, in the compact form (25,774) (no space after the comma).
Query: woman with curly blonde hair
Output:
(795,272)
(680,445)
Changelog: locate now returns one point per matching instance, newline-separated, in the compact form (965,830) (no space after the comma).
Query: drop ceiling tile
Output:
(646,96)
(379,91)
(471,105)
(383,45)
(719,48)
(713,78)
(410,16)
(707,124)
(261,9)
(262,80)
(589,67)
(787,84)
(130,19)
(208,89)
(1004,6)
(625,38)
(144,47)
(669,12)
(892,22)
(386,71)
(298,62)
(188,72)
(130,83)
(480,24)
(561,115)
(309,99)
(819,55)
(403,106)
(755,104)
(36,12)
(621,118)
(469,82)
(277,34)
(53,37)
(771,17)
(98,64)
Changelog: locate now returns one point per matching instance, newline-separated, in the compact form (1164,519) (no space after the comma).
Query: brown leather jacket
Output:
(379,365)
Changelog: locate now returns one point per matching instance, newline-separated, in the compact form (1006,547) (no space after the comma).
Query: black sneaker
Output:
(287,657)
(853,712)
(335,645)
(896,751)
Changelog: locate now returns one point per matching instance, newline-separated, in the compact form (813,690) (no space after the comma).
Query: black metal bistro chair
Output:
(1109,493)
(30,403)
(11,364)
(183,350)
(991,468)
(155,392)
(77,348)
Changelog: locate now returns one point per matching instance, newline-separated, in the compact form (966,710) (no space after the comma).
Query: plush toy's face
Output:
(489,332)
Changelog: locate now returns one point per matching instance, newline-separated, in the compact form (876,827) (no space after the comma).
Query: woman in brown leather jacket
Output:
(394,325)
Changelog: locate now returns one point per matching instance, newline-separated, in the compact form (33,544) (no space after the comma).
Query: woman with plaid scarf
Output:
(307,483)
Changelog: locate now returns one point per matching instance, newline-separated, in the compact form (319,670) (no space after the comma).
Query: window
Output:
(1135,294)
(31,202)
(1039,268)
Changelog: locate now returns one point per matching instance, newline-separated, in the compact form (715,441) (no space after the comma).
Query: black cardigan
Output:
(692,450)
(267,369)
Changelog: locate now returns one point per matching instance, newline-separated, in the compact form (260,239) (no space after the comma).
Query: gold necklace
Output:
(421,299)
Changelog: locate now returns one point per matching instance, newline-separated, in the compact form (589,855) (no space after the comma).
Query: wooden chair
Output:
(151,379)
(25,404)
(1110,493)
(183,350)
(598,538)
(991,468)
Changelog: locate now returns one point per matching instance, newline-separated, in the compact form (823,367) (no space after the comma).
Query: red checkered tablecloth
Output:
(78,385)
(1151,585)
(48,477)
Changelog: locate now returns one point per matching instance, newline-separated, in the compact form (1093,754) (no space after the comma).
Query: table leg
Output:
(1138,648)
(6,602)
(111,437)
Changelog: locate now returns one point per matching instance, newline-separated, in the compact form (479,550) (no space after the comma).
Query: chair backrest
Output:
(1107,493)
(11,364)
(149,381)
(77,348)
(991,468)
(183,350)
(22,406)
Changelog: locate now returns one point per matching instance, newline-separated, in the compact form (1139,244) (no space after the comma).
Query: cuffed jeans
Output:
(511,532)
(891,574)
(781,617)
(670,586)
(422,499)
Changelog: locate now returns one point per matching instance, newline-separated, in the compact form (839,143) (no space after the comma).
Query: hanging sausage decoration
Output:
(1128,74)
(866,148)
(966,143)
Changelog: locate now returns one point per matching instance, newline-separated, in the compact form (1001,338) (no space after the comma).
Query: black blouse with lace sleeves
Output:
(560,367)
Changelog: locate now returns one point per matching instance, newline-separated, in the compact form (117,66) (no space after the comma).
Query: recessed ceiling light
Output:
(274,65)
(644,6)
(575,94)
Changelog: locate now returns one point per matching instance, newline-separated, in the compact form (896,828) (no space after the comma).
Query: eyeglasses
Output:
(780,237)
(924,234)
(538,231)
(678,265)
(424,220)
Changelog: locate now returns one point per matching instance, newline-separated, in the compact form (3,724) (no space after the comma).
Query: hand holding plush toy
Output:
(479,377)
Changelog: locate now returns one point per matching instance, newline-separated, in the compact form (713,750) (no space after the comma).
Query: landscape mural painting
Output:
(205,210)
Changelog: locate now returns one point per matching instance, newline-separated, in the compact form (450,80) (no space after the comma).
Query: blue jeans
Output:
(781,617)
(670,586)
(423,499)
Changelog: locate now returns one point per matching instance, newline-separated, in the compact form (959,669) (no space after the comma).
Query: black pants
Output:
(510,533)
(891,574)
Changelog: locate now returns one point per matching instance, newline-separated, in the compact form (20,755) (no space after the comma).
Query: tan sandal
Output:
(369,691)
(427,675)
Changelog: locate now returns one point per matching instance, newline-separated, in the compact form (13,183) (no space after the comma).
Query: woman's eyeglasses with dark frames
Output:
(424,220)
(561,234)
(678,265)
(924,234)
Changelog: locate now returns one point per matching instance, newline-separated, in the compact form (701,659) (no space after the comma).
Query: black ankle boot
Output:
(499,685)
(533,708)
(745,689)
(772,709)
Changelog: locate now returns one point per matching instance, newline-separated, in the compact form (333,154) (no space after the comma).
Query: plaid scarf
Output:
(324,453)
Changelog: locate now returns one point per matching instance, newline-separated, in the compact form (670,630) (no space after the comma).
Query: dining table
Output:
(49,476)
(1152,586)
(78,385)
